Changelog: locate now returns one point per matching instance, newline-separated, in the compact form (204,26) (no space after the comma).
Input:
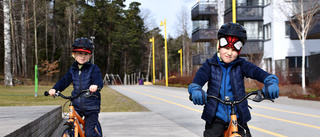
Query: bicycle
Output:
(74,127)
(232,130)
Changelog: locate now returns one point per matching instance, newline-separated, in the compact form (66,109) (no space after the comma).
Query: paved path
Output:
(140,124)
(173,121)
(284,117)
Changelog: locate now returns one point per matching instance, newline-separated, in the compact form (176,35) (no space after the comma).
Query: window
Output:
(267,31)
(268,62)
(296,62)
(288,26)
(254,30)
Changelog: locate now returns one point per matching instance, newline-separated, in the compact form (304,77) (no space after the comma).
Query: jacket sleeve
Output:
(97,77)
(203,74)
(64,82)
(252,71)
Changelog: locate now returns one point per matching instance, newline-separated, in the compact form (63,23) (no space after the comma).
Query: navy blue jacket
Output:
(212,72)
(82,79)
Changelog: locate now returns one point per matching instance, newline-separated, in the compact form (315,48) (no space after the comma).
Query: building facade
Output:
(272,42)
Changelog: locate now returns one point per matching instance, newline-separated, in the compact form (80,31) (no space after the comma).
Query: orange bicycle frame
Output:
(75,118)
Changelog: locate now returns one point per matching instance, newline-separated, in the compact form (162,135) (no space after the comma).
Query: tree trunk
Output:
(7,44)
(13,47)
(46,31)
(53,52)
(35,31)
(23,42)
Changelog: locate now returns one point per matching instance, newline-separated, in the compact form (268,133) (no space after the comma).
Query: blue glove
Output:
(271,88)
(198,96)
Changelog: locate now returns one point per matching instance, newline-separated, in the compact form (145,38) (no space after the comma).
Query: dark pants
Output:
(91,120)
(217,126)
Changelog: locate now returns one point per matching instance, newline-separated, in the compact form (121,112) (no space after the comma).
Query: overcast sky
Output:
(165,9)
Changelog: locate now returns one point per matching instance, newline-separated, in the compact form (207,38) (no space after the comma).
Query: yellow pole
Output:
(180,51)
(153,66)
(165,46)
(234,19)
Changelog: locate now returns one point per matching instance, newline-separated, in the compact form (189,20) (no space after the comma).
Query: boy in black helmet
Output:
(225,73)
(83,75)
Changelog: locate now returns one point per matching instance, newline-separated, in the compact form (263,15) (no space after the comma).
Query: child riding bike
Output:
(83,75)
(225,73)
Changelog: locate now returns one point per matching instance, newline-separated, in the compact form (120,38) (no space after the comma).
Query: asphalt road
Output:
(283,118)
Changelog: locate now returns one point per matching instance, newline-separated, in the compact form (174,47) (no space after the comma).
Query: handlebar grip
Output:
(46,93)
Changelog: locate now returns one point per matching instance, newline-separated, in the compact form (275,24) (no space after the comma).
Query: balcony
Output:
(246,13)
(204,35)
(249,13)
(203,10)
(199,59)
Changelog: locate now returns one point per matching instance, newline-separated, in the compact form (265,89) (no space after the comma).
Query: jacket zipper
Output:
(224,96)
(80,89)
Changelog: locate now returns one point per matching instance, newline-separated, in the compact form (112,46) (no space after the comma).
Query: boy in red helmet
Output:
(83,75)
(225,73)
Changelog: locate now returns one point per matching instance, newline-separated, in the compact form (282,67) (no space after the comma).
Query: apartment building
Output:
(272,42)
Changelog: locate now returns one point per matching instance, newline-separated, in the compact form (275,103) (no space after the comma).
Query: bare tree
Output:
(184,20)
(35,32)
(149,23)
(23,42)
(301,14)
(148,20)
(7,44)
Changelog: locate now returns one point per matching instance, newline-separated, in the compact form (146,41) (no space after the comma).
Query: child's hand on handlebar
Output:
(52,92)
(93,88)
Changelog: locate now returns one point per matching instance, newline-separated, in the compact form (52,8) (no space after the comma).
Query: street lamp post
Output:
(180,52)
(92,59)
(153,66)
(165,45)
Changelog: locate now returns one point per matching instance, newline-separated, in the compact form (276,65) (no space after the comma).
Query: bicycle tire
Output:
(67,131)
(98,128)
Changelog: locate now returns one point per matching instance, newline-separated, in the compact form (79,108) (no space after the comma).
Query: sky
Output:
(165,9)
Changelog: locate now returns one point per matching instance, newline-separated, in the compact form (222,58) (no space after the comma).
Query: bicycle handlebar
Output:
(86,91)
(258,98)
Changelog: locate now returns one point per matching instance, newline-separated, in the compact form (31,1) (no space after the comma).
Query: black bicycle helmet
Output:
(233,29)
(82,44)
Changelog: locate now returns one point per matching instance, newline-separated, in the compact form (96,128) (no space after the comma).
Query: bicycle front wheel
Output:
(66,131)
(98,128)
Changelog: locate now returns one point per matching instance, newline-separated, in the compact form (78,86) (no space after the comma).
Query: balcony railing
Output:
(249,13)
(202,9)
(204,35)
(199,59)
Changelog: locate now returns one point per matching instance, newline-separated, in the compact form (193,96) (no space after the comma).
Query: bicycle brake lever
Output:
(258,97)
(56,94)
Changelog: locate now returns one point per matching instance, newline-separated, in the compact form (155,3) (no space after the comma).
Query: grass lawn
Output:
(111,101)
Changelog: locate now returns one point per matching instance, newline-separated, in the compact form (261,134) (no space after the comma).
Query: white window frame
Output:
(267,31)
